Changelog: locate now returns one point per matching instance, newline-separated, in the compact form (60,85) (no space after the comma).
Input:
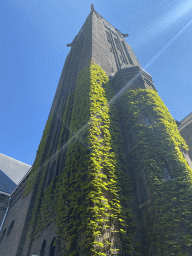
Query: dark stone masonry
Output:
(106,46)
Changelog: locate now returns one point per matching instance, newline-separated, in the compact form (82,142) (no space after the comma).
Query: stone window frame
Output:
(127,53)
(117,43)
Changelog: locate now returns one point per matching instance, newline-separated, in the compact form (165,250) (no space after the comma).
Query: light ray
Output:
(151,61)
(161,24)
(172,17)
(75,136)
(117,95)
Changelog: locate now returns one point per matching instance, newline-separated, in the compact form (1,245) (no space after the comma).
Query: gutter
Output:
(5,214)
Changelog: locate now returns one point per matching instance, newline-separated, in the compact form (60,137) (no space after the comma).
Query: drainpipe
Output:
(5,215)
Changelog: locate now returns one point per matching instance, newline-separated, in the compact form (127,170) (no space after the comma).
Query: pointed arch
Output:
(52,248)
(43,248)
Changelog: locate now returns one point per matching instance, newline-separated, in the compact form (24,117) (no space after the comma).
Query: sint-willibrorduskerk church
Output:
(112,174)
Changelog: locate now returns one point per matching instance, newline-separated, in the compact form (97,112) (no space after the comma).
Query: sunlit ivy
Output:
(158,144)
(89,206)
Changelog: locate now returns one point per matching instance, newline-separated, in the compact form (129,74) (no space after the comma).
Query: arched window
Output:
(52,248)
(2,236)
(43,248)
(10,228)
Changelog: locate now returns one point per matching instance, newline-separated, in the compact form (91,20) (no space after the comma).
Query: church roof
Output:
(11,173)
(187,118)
(186,121)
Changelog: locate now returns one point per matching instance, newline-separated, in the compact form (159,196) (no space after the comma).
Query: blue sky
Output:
(34,42)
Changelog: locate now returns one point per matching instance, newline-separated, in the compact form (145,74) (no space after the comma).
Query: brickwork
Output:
(48,234)
(4,198)
(132,77)
(109,48)
(18,212)
(78,57)
(106,46)
(90,42)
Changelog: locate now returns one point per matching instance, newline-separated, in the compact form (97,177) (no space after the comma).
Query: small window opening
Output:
(52,248)
(43,248)
(131,142)
(166,174)
(147,122)
(143,193)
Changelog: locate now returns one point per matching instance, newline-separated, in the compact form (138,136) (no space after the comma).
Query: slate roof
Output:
(187,118)
(11,173)
(185,121)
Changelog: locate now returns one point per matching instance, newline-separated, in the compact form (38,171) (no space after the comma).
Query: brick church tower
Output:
(112,175)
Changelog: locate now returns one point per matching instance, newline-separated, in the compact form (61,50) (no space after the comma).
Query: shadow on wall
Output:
(42,251)
(8,232)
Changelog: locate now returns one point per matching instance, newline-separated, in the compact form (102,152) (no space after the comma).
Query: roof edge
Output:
(15,159)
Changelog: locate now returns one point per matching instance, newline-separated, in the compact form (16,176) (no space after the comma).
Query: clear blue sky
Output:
(35,34)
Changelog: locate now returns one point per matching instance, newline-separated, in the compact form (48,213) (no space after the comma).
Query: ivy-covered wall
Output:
(38,160)
(89,208)
(168,212)
(90,198)
(89,201)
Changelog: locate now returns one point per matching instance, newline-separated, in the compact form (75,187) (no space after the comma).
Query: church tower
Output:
(110,175)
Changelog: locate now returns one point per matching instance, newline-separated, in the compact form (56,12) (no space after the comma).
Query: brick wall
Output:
(17,212)
(3,207)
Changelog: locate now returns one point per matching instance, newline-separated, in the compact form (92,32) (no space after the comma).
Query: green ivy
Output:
(38,160)
(45,201)
(89,196)
(158,144)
